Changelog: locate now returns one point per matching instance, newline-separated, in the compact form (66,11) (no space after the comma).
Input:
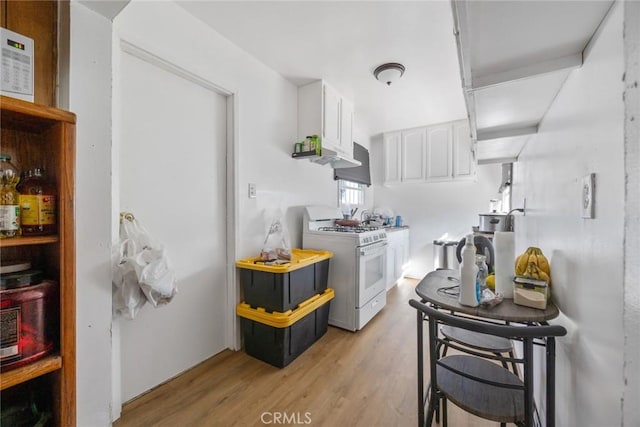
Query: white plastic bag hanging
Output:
(141,271)
(276,245)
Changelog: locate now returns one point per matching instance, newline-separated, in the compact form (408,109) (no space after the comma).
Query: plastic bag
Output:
(141,271)
(276,245)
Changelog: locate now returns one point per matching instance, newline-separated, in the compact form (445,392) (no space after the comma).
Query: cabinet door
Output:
(331,115)
(439,153)
(37,20)
(413,155)
(405,247)
(391,147)
(346,127)
(463,158)
(391,265)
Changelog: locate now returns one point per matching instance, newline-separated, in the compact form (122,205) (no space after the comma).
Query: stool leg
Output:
(513,364)
(444,411)
(504,364)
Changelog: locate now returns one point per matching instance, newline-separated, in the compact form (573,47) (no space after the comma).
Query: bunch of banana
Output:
(532,263)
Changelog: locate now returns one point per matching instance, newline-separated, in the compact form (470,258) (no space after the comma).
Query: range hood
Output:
(335,159)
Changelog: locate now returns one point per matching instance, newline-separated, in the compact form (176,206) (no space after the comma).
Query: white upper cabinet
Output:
(413,155)
(464,165)
(392,147)
(331,112)
(324,112)
(346,127)
(442,152)
(439,153)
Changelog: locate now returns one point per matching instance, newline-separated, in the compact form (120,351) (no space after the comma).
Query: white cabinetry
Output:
(441,152)
(397,254)
(392,159)
(346,127)
(324,112)
(413,155)
(464,165)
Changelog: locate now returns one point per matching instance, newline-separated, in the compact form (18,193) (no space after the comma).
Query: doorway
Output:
(170,163)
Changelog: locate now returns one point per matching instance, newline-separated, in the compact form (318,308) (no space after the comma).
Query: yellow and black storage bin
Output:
(281,287)
(279,337)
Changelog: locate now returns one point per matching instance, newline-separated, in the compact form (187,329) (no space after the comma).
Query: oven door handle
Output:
(369,251)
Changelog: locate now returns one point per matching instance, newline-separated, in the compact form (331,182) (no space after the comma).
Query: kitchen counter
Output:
(391,228)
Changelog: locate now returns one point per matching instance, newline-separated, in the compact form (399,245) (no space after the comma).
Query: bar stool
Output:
(479,341)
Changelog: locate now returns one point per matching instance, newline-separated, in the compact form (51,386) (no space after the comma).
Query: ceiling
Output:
(501,63)
(343,42)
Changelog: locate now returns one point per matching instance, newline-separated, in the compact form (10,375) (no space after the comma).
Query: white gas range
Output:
(357,270)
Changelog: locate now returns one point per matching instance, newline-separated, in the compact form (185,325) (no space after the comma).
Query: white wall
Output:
(90,98)
(582,133)
(433,209)
(266,127)
(631,410)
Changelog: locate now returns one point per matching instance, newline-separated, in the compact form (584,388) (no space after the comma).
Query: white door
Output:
(331,111)
(172,142)
(463,159)
(392,165)
(439,152)
(346,127)
(413,155)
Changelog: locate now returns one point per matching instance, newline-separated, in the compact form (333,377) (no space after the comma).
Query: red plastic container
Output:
(29,317)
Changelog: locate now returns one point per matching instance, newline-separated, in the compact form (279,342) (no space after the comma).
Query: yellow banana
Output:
(545,276)
(543,263)
(521,264)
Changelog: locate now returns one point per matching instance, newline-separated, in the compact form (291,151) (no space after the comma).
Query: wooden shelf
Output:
(33,134)
(22,241)
(30,371)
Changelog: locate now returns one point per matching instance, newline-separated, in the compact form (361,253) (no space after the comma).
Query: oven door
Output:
(372,270)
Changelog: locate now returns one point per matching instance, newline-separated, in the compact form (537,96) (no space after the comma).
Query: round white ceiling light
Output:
(388,73)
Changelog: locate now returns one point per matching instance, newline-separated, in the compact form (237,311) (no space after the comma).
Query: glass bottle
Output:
(9,204)
(37,204)
(483,272)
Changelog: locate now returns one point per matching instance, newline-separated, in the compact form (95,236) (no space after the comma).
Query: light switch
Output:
(587,195)
(252,191)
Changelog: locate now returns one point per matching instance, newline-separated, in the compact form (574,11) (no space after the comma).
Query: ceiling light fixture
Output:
(388,73)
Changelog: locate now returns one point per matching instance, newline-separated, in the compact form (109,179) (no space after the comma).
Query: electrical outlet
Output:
(252,191)
(587,200)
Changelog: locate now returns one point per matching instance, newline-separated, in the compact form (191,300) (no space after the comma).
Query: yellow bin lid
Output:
(289,317)
(299,258)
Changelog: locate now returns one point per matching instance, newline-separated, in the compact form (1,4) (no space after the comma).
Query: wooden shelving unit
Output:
(30,371)
(24,241)
(36,135)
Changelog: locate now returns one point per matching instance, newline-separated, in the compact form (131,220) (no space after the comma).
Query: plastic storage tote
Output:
(278,338)
(282,287)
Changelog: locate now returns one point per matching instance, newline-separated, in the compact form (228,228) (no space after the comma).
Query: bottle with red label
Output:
(37,204)
(9,204)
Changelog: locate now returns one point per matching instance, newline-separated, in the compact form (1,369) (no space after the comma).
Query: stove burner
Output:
(343,229)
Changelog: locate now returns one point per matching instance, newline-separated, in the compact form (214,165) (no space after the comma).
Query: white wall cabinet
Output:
(464,164)
(441,152)
(397,254)
(346,127)
(413,155)
(392,148)
(324,112)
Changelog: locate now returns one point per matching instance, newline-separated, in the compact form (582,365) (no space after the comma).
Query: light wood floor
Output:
(367,378)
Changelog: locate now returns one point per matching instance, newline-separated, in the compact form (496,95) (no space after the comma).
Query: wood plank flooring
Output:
(367,378)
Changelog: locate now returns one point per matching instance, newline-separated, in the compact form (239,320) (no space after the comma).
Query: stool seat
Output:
(477,340)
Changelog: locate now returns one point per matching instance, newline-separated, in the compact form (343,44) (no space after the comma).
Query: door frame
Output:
(231,327)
